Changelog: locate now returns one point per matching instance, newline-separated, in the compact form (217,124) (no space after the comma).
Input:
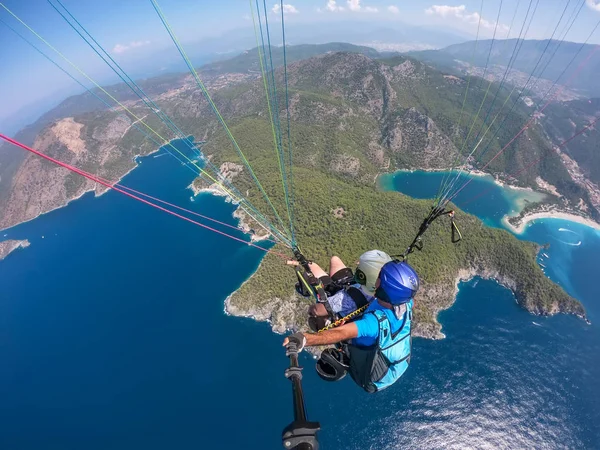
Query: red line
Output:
(113,187)
(579,68)
(169,204)
(562,144)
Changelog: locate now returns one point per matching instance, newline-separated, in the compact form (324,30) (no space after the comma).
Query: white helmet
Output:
(369,265)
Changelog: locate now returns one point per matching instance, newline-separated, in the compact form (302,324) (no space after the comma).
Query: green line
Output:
(138,119)
(278,150)
(444,181)
(287,111)
(452,180)
(214,107)
(276,100)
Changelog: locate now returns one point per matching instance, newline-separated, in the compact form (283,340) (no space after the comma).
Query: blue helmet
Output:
(398,283)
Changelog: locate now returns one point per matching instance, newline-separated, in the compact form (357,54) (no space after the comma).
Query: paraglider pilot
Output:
(375,349)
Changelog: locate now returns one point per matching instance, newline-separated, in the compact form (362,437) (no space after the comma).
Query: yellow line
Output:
(211,102)
(138,119)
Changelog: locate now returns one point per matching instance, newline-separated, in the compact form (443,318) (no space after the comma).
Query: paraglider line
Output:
(522,90)
(447,187)
(173,205)
(562,144)
(138,119)
(271,94)
(200,84)
(164,118)
(128,194)
(459,122)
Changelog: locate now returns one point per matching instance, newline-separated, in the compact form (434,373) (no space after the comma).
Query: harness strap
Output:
(456,234)
(315,287)
(436,212)
(385,327)
(344,319)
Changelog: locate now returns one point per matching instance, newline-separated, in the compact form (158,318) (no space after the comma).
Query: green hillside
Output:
(353,117)
(374,219)
(333,168)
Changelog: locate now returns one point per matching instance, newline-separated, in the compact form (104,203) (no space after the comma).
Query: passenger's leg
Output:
(317,309)
(318,318)
(335,265)
(316,270)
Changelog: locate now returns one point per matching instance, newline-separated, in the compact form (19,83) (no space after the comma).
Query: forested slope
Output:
(387,221)
(353,117)
(338,150)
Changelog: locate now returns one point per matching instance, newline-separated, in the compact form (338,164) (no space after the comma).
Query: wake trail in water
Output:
(570,243)
(567,230)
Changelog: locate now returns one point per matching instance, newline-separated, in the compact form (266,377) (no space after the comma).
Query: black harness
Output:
(436,212)
(308,284)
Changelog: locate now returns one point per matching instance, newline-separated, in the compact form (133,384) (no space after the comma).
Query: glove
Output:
(298,340)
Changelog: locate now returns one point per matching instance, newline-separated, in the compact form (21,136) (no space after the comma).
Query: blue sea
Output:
(481,196)
(113,336)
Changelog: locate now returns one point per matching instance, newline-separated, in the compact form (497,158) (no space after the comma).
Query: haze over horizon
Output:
(133,34)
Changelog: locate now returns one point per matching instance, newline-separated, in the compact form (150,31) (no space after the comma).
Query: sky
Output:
(132,32)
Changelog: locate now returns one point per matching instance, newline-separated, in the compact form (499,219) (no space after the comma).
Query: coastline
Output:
(97,189)
(9,246)
(474,173)
(101,190)
(521,222)
(77,197)
(529,218)
(243,223)
(281,323)
(431,329)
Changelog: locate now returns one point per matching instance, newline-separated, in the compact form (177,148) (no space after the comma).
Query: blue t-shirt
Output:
(368,326)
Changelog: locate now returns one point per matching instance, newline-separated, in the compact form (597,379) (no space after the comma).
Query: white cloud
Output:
(287,9)
(445,10)
(333,6)
(351,5)
(122,48)
(593,4)
(393,9)
(460,13)
(354,5)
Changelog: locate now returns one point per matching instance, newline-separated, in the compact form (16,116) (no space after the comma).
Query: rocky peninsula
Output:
(7,247)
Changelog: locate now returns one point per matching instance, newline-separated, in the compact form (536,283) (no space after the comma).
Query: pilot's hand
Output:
(297,339)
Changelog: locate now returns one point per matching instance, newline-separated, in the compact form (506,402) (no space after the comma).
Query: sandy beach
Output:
(549,215)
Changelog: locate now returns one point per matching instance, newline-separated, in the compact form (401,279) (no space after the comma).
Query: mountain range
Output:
(552,60)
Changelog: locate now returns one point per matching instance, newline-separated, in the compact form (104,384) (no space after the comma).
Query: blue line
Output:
(276,115)
(162,19)
(148,102)
(108,105)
